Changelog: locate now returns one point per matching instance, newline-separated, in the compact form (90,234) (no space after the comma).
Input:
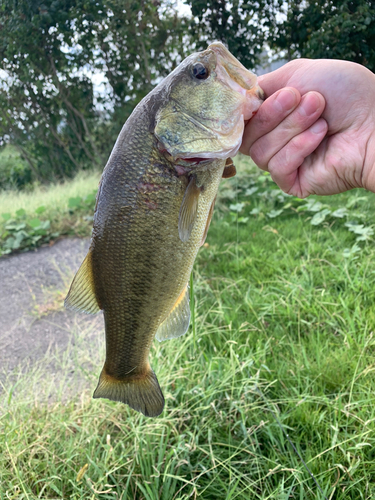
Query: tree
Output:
(46,107)
(338,29)
(50,50)
(140,42)
(243,25)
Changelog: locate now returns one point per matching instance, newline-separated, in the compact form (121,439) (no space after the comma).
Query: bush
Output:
(14,171)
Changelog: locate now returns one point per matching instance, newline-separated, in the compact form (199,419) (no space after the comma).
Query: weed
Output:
(281,306)
(25,231)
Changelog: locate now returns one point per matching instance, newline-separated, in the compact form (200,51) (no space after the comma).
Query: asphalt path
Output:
(33,321)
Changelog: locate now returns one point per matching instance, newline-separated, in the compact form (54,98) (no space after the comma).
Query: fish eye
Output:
(200,71)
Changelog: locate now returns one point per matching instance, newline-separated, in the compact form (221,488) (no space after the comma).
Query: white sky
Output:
(183,9)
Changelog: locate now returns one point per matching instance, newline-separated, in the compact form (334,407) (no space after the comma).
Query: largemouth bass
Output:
(153,209)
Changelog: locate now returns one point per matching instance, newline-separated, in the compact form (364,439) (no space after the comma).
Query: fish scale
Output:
(137,298)
(152,213)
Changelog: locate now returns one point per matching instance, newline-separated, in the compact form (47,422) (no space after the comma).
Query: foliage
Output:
(256,197)
(279,311)
(23,233)
(14,171)
(51,49)
(52,52)
(343,29)
(53,196)
(25,230)
(260,197)
(242,25)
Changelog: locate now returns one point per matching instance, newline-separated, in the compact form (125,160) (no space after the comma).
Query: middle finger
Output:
(307,112)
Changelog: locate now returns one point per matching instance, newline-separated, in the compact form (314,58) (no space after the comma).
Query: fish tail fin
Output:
(140,391)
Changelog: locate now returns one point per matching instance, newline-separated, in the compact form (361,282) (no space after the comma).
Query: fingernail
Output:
(285,101)
(309,104)
(318,127)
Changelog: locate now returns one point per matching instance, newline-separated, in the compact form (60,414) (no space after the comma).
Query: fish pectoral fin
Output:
(81,295)
(229,169)
(188,210)
(209,217)
(177,321)
(140,390)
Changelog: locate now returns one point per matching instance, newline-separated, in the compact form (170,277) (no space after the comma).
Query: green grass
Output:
(53,197)
(31,218)
(284,309)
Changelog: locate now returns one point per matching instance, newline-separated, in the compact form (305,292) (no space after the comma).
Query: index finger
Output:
(271,113)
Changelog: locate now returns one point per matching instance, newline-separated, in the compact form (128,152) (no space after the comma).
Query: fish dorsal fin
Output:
(81,295)
(177,321)
(229,169)
(188,210)
(208,221)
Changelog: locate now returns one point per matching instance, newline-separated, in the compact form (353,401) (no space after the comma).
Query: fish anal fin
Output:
(209,217)
(229,169)
(188,210)
(177,321)
(81,295)
(140,390)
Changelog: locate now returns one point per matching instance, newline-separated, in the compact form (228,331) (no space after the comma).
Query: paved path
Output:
(32,289)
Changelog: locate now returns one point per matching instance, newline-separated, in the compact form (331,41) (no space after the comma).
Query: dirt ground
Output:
(33,286)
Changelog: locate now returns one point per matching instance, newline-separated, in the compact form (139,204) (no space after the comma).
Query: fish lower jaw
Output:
(188,162)
(252,104)
(229,146)
(182,163)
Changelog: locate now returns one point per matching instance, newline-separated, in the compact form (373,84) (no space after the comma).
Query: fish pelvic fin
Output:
(188,210)
(177,321)
(229,169)
(140,391)
(81,295)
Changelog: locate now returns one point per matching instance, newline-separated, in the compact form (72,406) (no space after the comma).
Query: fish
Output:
(153,209)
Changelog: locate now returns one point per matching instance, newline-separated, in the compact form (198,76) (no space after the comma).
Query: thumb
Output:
(276,80)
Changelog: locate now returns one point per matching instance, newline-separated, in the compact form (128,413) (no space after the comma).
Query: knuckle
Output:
(296,123)
(274,165)
(286,160)
(258,155)
(295,146)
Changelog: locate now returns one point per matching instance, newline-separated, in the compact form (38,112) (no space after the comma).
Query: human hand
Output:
(315,132)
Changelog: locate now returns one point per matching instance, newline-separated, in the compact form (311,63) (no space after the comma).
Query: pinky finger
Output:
(284,165)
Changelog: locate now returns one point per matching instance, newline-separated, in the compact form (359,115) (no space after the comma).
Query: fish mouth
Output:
(192,133)
(232,73)
(242,76)
(188,162)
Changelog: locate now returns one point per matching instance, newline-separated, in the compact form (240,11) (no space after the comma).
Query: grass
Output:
(284,321)
(54,197)
(30,219)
